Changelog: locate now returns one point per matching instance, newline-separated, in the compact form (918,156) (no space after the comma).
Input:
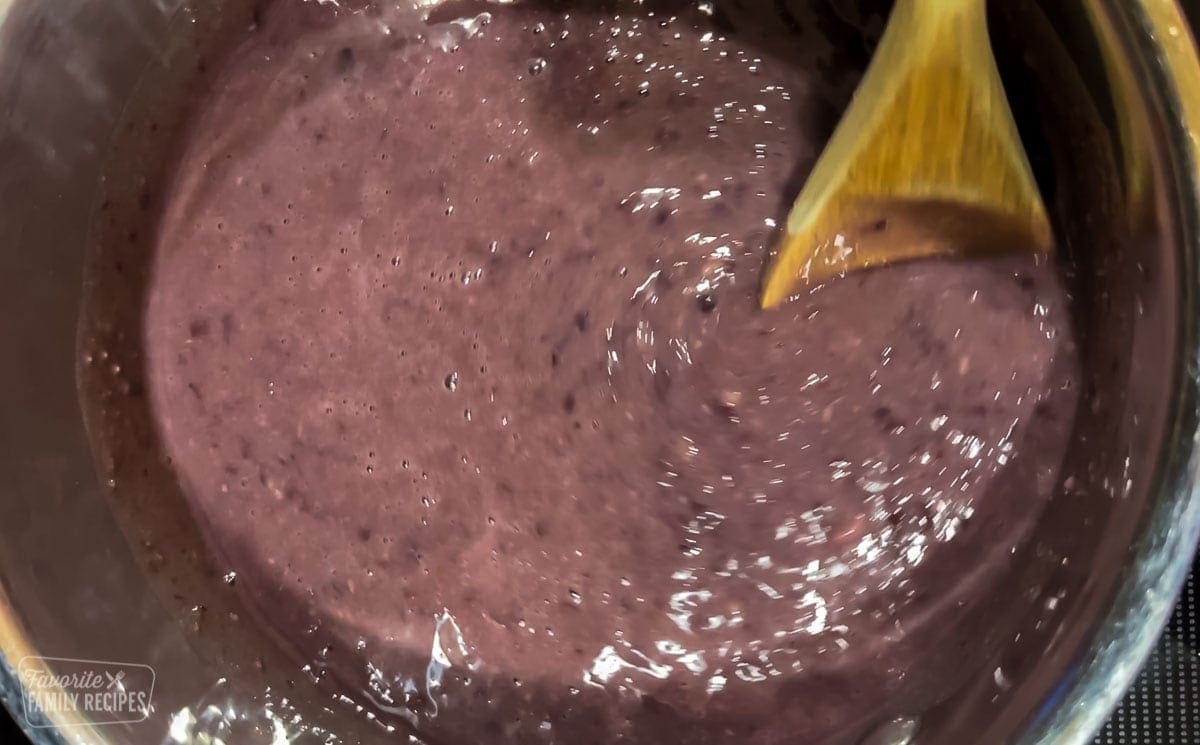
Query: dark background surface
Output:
(1162,707)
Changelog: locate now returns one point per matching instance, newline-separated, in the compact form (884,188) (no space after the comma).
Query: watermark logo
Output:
(60,691)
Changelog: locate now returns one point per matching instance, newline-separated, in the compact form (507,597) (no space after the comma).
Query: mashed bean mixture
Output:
(453,340)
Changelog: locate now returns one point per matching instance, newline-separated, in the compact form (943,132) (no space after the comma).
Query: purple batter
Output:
(454,344)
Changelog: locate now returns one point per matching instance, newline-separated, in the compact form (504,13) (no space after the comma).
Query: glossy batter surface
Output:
(454,343)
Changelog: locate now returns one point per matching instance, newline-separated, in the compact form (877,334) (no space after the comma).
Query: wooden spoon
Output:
(925,162)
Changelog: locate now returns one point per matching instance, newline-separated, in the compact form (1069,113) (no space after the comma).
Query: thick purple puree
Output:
(452,338)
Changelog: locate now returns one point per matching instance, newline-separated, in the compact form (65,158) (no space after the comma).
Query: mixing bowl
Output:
(1107,93)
